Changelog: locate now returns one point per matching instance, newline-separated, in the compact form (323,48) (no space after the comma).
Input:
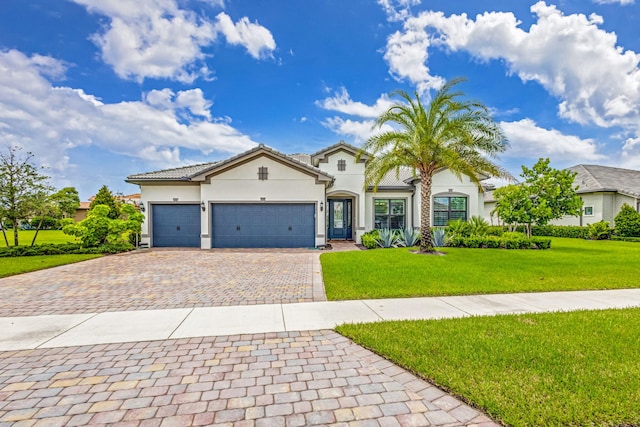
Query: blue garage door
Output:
(176,225)
(263,225)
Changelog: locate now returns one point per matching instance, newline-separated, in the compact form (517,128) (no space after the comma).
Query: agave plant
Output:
(439,237)
(387,238)
(408,237)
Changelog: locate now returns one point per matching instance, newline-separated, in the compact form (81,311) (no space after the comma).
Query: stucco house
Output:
(263,198)
(603,190)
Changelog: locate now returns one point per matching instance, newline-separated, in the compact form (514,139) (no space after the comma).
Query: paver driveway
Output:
(283,379)
(160,279)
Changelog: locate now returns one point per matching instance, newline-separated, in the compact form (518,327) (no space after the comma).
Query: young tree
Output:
(20,184)
(67,200)
(546,194)
(450,133)
(106,197)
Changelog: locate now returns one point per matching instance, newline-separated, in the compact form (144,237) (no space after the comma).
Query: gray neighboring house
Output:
(603,190)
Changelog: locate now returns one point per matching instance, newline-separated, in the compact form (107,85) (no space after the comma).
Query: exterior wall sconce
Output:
(321,205)
(202,206)
(141,206)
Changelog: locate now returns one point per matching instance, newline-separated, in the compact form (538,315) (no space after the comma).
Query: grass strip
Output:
(570,264)
(551,369)
(10,266)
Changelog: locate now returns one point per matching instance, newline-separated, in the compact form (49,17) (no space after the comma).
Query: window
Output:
(447,209)
(342,165)
(588,210)
(389,213)
(263,173)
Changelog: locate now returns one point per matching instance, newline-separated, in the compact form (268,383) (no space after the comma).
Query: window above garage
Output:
(263,173)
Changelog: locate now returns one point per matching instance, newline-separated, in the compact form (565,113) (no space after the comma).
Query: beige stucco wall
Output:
(284,184)
(348,184)
(151,194)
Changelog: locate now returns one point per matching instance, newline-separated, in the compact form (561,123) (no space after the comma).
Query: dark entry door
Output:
(340,219)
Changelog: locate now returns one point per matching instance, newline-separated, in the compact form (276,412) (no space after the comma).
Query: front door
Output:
(340,219)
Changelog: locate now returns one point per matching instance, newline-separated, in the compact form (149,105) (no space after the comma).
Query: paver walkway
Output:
(163,279)
(278,379)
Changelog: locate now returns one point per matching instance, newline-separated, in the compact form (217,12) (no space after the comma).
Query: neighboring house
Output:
(603,190)
(81,211)
(263,198)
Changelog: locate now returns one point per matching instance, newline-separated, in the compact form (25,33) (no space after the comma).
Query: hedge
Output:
(495,242)
(61,249)
(625,239)
(572,231)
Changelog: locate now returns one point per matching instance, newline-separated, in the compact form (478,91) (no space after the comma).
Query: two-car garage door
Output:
(259,225)
(263,225)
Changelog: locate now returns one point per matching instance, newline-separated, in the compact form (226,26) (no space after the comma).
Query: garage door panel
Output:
(263,225)
(176,225)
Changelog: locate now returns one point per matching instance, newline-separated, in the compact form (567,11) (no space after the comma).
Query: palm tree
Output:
(450,133)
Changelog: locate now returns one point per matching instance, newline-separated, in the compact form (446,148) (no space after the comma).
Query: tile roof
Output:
(187,173)
(592,178)
(180,173)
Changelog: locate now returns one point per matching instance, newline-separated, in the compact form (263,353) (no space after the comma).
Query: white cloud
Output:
(595,80)
(621,2)
(397,10)
(527,139)
(52,120)
(158,39)
(342,103)
(359,130)
(255,38)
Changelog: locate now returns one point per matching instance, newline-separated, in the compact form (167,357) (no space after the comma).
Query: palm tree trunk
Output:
(426,241)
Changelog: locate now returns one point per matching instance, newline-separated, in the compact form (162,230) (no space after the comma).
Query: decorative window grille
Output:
(263,173)
(342,165)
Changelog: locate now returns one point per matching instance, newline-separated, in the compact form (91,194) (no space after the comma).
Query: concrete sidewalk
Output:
(32,332)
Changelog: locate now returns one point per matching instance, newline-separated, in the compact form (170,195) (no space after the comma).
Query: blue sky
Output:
(100,89)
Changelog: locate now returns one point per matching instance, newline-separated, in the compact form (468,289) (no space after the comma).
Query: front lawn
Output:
(570,264)
(44,236)
(17,265)
(551,369)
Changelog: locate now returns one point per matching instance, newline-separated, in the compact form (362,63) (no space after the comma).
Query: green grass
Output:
(44,236)
(570,264)
(18,265)
(552,369)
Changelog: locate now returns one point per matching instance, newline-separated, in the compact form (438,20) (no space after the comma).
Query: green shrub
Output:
(509,240)
(457,228)
(478,226)
(370,239)
(439,236)
(599,230)
(625,239)
(495,230)
(627,222)
(408,237)
(48,223)
(62,249)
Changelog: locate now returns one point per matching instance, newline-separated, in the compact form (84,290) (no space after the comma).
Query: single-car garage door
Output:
(263,225)
(176,225)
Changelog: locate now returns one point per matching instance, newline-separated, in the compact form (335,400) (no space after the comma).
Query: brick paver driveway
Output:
(284,379)
(159,279)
